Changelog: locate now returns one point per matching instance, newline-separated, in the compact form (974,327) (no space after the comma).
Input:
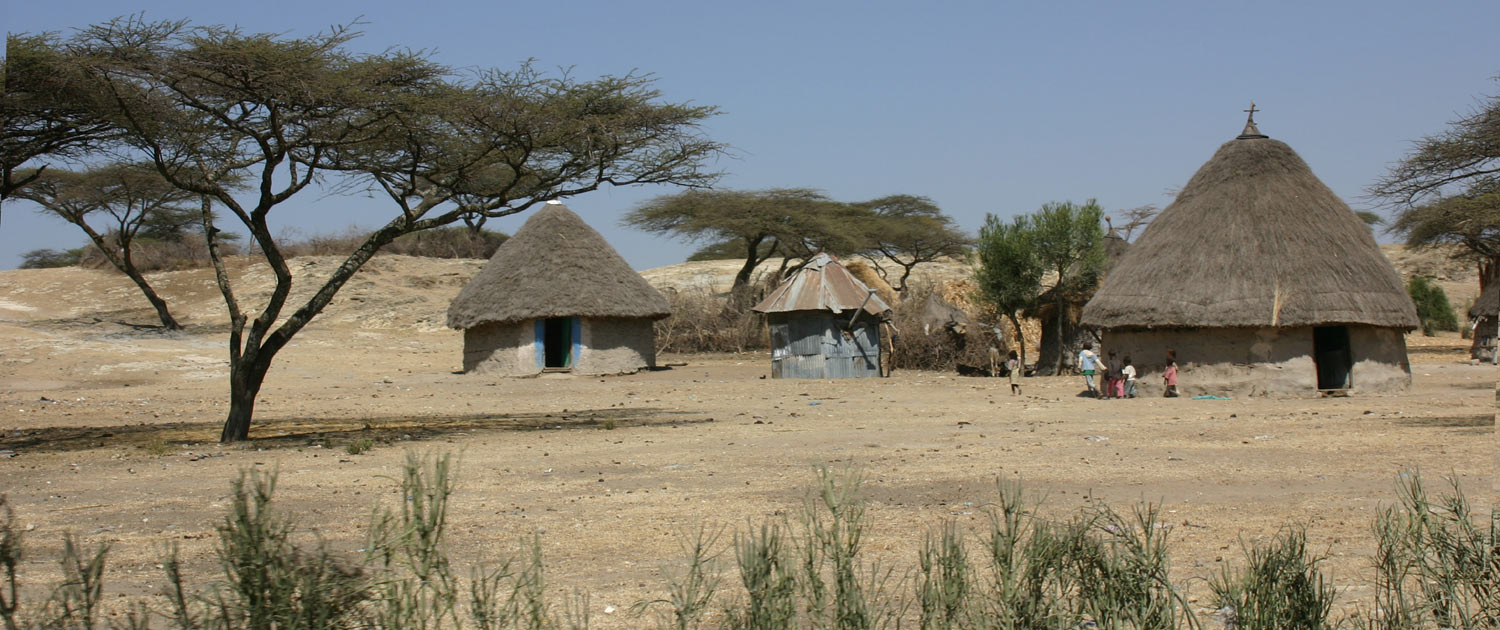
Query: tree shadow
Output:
(1483,420)
(326,432)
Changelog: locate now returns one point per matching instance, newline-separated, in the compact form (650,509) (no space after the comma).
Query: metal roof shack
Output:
(824,323)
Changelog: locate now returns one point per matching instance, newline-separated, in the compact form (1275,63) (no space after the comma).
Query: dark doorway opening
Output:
(1332,356)
(557,342)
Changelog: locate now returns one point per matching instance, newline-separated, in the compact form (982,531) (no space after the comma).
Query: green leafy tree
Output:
(1433,307)
(208,106)
(129,202)
(1068,240)
(789,222)
(1009,274)
(910,230)
(1447,190)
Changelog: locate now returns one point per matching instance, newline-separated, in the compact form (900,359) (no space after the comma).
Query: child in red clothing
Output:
(1170,376)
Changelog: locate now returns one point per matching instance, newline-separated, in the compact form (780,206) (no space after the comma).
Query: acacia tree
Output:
(910,230)
(210,105)
(790,222)
(1069,241)
(47,110)
(1009,274)
(1447,190)
(132,197)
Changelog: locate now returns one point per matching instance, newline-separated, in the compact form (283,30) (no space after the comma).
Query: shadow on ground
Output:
(332,432)
(1486,421)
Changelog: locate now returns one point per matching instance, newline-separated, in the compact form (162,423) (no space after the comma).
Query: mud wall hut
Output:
(824,323)
(557,297)
(1262,280)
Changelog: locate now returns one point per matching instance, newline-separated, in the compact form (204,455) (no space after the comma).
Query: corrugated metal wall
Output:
(812,344)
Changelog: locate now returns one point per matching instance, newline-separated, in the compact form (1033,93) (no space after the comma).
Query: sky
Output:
(984,107)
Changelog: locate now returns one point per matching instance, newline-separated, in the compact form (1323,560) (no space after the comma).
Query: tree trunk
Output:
(906,273)
(1061,316)
(167,321)
(123,263)
(1020,340)
(244,385)
(753,259)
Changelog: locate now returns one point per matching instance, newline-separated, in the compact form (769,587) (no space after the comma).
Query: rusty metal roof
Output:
(822,285)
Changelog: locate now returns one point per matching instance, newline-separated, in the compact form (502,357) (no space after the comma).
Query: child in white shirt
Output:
(1129,373)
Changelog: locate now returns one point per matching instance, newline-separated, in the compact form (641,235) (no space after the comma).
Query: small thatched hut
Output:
(1262,280)
(1485,316)
(824,323)
(557,297)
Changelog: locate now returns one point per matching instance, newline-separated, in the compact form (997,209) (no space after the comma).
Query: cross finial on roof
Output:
(1251,131)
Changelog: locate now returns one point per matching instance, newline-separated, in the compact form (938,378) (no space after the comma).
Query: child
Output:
(1129,373)
(1170,376)
(1087,363)
(1114,384)
(1013,367)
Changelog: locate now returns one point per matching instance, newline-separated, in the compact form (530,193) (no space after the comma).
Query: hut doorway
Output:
(1332,356)
(557,342)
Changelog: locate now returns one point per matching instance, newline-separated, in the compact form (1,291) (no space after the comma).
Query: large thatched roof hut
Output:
(1262,280)
(824,323)
(556,296)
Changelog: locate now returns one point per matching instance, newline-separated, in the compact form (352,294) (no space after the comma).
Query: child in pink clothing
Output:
(1170,376)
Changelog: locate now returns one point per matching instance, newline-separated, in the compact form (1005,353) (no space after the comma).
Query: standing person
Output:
(1114,385)
(1013,369)
(1129,373)
(1170,376)
(1088,362)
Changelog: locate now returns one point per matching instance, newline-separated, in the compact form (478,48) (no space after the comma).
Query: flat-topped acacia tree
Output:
(276,114)
(127,200)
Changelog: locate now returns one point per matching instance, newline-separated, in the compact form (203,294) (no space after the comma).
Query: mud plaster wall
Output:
(501,349)
(616,346)
(607,346)
(1263,361)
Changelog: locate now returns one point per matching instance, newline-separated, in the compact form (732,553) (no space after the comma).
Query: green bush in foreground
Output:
(1438,566)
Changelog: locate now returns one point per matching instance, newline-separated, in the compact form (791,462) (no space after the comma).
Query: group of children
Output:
(1118,376)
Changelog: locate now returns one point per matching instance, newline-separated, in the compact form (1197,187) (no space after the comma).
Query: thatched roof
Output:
(1254,239)
(1488,304)
(555,266)
(823,284)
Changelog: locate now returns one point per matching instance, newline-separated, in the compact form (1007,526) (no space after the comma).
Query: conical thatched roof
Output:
(1254,239)
(1488,304)
(555,266)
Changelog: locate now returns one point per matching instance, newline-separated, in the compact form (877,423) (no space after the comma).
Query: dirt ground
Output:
(107,428)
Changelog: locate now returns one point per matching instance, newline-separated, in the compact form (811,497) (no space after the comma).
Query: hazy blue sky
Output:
(982,106)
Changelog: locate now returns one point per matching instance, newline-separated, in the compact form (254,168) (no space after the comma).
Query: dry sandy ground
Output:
(109,423)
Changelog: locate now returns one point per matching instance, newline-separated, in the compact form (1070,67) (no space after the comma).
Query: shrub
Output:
(359,445)
(449,242)
(1433,307)
(1280,587)
(704,322)
(940,350)
(1437,563)
(1437,566)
